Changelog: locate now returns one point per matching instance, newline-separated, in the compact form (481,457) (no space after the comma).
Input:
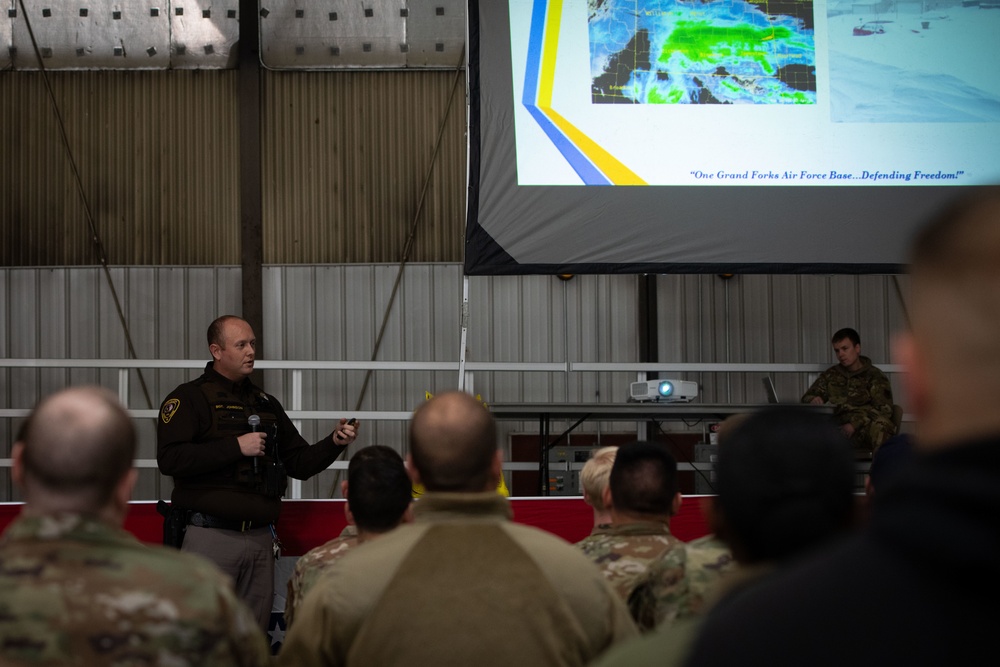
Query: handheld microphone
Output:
(254,421)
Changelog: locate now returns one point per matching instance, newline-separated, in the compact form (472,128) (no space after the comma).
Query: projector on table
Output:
(663,391)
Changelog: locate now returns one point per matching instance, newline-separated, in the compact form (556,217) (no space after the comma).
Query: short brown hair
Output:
(215,329)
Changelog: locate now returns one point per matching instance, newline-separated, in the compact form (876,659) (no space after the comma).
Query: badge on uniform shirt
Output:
(169,409)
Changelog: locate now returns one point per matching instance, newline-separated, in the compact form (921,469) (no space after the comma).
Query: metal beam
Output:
(251,205)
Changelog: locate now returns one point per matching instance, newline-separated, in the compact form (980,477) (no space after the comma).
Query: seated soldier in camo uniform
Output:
(377,490)
(642,494)
(860,393)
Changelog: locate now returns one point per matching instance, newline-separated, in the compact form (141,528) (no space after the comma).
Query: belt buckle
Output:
(245,526)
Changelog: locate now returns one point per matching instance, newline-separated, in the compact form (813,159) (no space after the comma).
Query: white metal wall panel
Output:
(537,315)
(786,333)
(755,332)
(579,312)
(617,299)
(873,315)
(815,301)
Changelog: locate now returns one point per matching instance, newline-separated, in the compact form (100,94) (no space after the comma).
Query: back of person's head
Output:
(75,447)
(643,480)
(848,333)
(594,476)
(891,457)
(453,443)
(784,479)
(378,488)
(955,304)
(730,424)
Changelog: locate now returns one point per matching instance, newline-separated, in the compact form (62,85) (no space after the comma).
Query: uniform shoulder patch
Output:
(169,409)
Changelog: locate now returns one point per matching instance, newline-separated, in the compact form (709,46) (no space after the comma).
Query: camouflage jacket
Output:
(646,565)
(708,562)
(859,394)
(309,567)
(77,591)
(596,534)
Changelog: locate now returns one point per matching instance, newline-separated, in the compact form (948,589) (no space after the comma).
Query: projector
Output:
(663,391)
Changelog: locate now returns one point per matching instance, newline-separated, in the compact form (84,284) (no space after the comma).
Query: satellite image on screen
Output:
(714,52)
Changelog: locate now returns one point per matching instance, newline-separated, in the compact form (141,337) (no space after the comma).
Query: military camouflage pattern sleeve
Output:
(308,569)
(644,564)
(708,562)
(662,591)
(818,389)
(870,411)
(872,398)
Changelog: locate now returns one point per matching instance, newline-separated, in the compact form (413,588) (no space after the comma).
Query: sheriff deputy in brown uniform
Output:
(230,470)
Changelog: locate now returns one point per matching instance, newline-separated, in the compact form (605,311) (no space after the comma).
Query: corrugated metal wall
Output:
(156,153)
(782,319)
(334,312)
(345,155)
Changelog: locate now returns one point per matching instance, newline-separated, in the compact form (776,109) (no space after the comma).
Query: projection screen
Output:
(722,136)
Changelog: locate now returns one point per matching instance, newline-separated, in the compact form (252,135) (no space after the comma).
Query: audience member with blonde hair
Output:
(593,482)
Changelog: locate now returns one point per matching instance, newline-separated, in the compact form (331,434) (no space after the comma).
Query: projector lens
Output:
(666,388)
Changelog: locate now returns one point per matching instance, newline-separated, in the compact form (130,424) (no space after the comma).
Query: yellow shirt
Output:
(418,489)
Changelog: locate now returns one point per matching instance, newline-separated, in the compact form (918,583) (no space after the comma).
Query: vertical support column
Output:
(543,455)
(296,484)
(465,333)
(123,386)
(251,205)
(648,341)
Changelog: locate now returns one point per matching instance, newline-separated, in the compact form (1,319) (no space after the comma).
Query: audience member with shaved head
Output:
(75,587)
(462,584)
(920,584)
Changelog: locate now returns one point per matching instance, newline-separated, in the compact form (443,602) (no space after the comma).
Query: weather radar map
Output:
(702,52)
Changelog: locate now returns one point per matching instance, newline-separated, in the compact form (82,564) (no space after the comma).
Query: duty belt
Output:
(208,521)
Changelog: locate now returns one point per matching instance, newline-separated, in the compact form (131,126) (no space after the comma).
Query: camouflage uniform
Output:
(78,591)
(861,398)
(671,646)
(646,566)
(309,567)
(595,535)
(703,564)
(708,561)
